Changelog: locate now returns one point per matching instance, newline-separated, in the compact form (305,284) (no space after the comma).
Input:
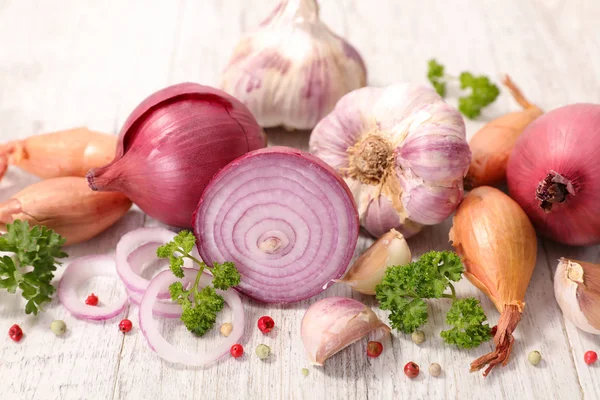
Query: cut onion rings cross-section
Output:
(79,271)
(166,350)
(130,274)
(285,218)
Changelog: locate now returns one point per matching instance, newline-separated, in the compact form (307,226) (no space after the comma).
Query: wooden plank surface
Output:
(73,63)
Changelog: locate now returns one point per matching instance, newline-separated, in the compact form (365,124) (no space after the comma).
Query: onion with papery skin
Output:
(65,153)
(67,206)
(368,269)
(491,145)
(498,247)
(577,291)
(171,146)
(293,69)
(166,350)
(79,271)
(402,151)
(333,323)
(286,220)
(554,174)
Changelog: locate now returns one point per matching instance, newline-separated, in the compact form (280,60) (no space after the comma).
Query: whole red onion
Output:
(554,174)
(171,146)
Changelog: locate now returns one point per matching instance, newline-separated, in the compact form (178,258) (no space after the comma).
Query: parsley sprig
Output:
(404,287)
(482,91)
(200,306)
(32,264)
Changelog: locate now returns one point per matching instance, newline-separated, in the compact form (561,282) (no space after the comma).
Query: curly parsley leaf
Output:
(410,317)
(38,248)
(467,317)
(483,93)
(435,74)
(200,306)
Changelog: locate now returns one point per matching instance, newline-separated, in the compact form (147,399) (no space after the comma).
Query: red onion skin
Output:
(278,150)
(171,146)
(564,141)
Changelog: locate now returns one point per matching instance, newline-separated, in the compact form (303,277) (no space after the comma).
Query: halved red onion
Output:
(128,270)
(285,218)
(166,350)
(79,271)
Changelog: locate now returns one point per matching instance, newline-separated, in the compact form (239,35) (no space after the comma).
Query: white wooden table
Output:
(73,62)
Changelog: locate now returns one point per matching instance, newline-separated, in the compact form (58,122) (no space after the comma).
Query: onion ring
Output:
(132,241)
(166,350)
(79,271)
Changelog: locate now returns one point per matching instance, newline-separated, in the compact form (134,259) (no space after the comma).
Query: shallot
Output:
(498,247)
(333,323)
(491,145)
(401,150)
(286,220)
(67,206)
(171,146)
(554,174)
(65,153)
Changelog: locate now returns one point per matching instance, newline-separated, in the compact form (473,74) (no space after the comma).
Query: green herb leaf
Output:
(483,93)
(410,317)
(467,317)
(435,74)
(38,247)
(448,263)
(200,306)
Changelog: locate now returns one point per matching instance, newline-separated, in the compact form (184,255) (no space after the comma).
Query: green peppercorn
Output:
(263,351)
(58,327)
(305,371)
(534,357)
(418,337)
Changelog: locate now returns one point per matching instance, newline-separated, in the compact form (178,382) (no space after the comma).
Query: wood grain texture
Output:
(70,63)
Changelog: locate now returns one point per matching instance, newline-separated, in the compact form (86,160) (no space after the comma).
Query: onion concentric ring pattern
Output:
(284,217)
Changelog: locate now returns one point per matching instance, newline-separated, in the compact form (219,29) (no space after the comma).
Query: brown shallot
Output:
(497,244)
(491,145)
(67,206)
(64,153)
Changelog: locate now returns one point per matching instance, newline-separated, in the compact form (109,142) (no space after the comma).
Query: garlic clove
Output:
(293,69)
(368,269)
(577,291)
(333,323)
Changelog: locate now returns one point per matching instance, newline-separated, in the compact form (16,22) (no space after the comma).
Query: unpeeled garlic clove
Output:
(333,323)
(368,269)
(577,291)
(67,206)
(293,69)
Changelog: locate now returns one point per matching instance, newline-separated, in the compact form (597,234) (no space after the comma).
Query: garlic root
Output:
(368,269)
(67,206)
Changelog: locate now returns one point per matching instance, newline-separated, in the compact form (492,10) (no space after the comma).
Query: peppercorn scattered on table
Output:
(69,64)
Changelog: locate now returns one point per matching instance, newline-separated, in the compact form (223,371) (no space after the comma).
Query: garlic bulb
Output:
(368,269)
(577,291)
(333,323)
(402,151)
(293,69)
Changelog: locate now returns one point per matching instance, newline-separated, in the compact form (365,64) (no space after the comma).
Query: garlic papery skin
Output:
(402,151)
(293,69)
(577,291)
(333,323)
(368,269)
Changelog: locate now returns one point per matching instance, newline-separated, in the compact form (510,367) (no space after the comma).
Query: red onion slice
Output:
(162,308)
(129,271)
(285,218)
(166,350)
(79,271)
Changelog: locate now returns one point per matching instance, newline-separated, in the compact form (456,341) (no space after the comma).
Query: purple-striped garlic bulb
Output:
(293,69)
(402,151)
